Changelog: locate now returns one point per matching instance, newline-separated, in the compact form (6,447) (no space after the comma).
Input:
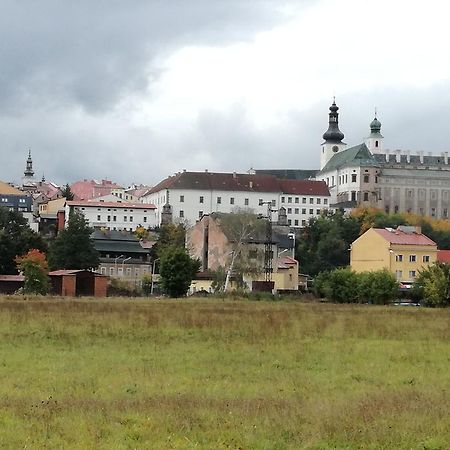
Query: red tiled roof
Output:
(443,256)
(12,278)
(86,189)
(286,261)
(111,204)
(241,182)
(304,187)
(402,238)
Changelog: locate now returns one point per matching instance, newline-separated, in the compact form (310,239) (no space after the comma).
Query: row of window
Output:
(114,218)
(399,274)
(413,258)
(304,200)
(112,271)
(433,212)
(297,211)
(6,200)
(232,200)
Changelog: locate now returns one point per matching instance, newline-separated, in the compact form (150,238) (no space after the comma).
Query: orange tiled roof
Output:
(396,236)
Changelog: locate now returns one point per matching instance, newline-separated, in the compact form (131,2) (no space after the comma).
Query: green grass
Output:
(214,374)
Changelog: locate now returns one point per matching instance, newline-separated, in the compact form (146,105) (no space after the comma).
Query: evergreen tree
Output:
(73,247)
(16,238)
(67,192)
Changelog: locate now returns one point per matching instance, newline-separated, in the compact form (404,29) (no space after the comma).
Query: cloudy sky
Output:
(136,90)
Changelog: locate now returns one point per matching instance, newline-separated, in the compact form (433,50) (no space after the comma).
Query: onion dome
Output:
(375,125)
(333,134)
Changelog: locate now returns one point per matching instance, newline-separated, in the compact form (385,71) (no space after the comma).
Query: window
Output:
(311,201)
(297,200)
(303,223)
(311,211)
(124,218)
(232,201)
(296,211)
(289,199)
(21,200)
(412,274)
(353,177)
(366,178)
(289,222)
(289,210)
(246,201)
(296,222)
(181,198)
(145,218)
(200,214)
(317,211)
(426,258)
(412,258)
(398,274)
(111,271)
(219,200)
(131,218)
(201,200)
(376,143)
(181,213)
(318,201)
(109,218)
(283,199)
(433,212)
(303,199)
(103,270)
(366,196)
(325,201)
(445,213)
(399,258)
(303,210)
(274,203)
(98,217)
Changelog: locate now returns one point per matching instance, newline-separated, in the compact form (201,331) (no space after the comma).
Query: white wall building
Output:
(193,194)
(114,215)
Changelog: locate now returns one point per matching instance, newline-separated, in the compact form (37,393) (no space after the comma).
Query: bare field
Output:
(214,374)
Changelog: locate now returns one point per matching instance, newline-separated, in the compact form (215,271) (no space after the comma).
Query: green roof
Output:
(359,155)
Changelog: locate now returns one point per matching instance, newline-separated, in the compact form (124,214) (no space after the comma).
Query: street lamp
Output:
(123,263)
(115,263)
(153,274)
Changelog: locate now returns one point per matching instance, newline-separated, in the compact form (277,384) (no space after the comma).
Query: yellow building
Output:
(403,251)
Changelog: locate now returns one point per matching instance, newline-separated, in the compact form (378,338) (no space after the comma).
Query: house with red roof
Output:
(188,196)
(404,251)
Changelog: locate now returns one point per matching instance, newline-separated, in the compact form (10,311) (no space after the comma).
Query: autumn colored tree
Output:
(34,267)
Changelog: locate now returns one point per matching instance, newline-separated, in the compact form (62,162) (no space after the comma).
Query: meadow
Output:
(222,374)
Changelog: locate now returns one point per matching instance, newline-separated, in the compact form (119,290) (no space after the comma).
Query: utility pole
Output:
(268,252)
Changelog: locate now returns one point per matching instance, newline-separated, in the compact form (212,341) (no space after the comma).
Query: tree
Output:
(378,287)
(16,238)
(34,267)
(177,271)
(67,192)
(169,235)
(433,285)
(73,248)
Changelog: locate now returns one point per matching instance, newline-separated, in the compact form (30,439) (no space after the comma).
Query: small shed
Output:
(9,284)
(73,283)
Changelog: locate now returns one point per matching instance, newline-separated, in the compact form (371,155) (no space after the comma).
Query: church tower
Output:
(333,137)
(28,180)
(374,141)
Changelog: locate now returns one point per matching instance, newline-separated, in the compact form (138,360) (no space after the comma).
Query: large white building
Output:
(369,174)
(187,196)
(114,215)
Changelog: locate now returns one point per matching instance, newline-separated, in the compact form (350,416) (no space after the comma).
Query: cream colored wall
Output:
(372,252)
(369,252)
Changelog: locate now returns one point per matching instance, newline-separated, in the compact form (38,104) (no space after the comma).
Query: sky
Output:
(134,91)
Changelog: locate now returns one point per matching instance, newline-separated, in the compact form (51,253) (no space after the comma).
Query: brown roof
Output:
(304,187)
(12,278)
(241,182)
(111,204)
(396,236)
(6,189)
(61,272)
(443,256)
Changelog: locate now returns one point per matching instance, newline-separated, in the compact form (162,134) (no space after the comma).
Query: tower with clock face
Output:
(332,137)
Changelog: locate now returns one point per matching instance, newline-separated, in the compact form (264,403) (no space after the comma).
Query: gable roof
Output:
(359,155)
(219,182)
(6,189)
(397,236)
(304,187)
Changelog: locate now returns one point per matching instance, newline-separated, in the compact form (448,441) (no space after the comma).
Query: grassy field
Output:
(213,374)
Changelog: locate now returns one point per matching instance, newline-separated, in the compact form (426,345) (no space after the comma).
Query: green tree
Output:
(16,238)
(177,270)
(147,285)
(67,192)
(73,248)
(378,287)
(433,285)
(169,235)
(34,267)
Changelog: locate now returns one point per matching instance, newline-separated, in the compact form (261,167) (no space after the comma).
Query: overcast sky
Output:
(134,91)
